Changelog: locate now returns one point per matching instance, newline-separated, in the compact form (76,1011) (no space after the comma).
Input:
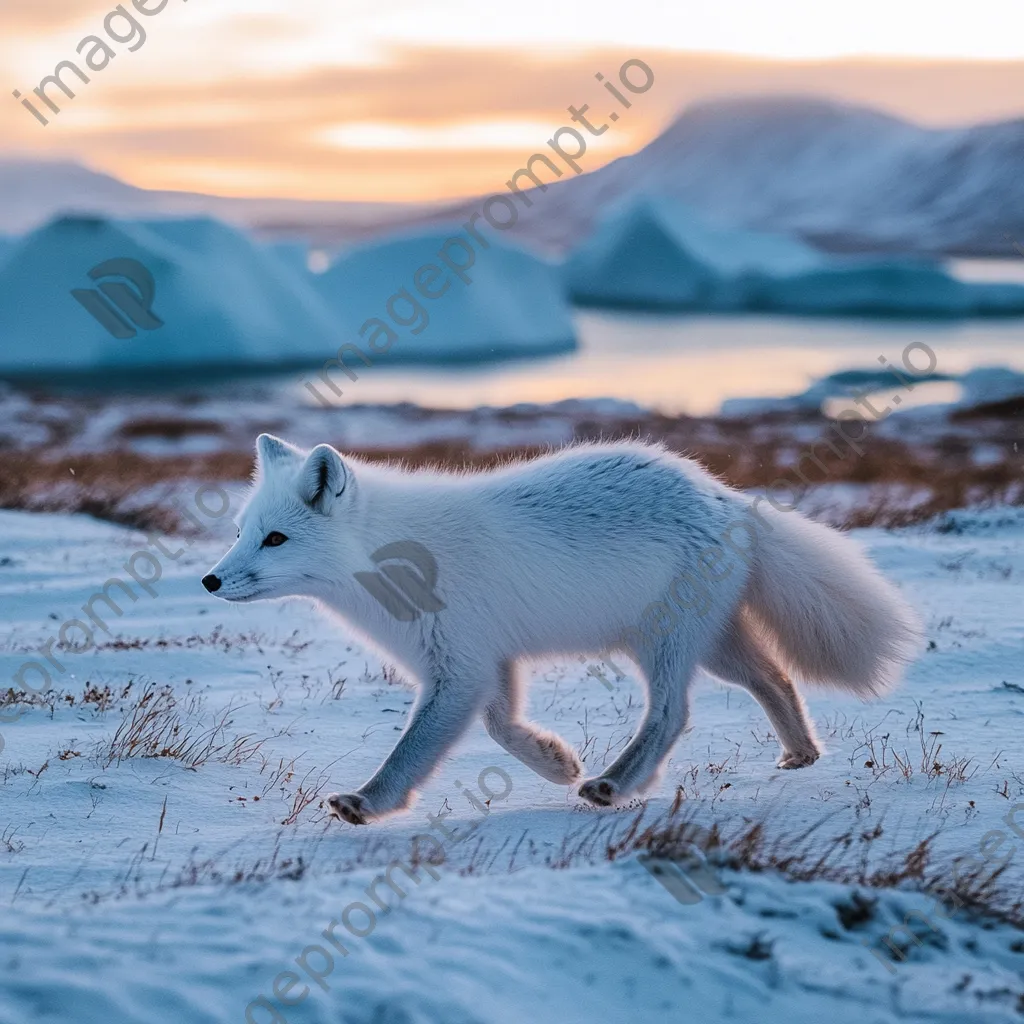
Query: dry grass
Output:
(880,752)
(307,792)
(159,725)
(217,639)
(944,470)
(169,428)
(108,486)
(848,858)
(100,698)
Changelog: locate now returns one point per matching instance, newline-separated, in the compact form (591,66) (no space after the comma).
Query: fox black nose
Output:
(212,583)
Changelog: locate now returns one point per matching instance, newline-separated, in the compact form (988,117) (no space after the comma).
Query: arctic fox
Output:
(601,547)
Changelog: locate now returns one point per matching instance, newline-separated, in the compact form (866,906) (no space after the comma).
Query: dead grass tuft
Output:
(171,428)
(849,859)
(108,486)
(159,725)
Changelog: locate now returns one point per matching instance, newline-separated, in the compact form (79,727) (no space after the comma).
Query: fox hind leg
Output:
(741,658)
(544,752)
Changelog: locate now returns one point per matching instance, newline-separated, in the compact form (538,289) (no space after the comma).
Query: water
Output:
(690,364)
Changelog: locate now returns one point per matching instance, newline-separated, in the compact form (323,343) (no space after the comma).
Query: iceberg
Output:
(501,302)
(223,301)
(989,385)
(841,384)
(292,254)
(659,254)
(857,287)
(981,386)
(274,276)
(656,253)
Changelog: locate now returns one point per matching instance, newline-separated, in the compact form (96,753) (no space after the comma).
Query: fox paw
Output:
(560,764)
(349,807)
(798,759)
(600,792)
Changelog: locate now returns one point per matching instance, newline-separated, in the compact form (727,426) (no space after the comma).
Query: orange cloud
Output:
(272,134)
(47,15)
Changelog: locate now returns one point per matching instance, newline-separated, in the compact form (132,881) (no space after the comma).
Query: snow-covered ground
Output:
(185,888)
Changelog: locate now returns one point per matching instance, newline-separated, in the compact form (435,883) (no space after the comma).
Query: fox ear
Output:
(272,451)
(322,478)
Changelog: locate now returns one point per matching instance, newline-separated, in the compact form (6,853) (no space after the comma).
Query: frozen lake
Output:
(691,363)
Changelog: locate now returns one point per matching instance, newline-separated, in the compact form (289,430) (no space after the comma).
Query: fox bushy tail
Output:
(828,613)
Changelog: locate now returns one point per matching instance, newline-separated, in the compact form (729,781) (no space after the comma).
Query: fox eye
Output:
(274,539)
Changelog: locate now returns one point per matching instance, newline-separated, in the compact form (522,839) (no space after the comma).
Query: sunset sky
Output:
(406,100)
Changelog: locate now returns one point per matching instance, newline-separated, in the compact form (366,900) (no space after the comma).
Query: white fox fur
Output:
(570,554)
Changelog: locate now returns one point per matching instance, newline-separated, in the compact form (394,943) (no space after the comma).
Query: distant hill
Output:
(843,177)
(33,192)
(846,178)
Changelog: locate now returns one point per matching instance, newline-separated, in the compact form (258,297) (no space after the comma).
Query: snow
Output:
(223,300)
(145,890)
(35,191)
(837,171)
(656,253)
(840,175)
(506,302)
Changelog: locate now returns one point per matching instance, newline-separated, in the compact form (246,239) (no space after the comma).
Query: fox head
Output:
(284,532)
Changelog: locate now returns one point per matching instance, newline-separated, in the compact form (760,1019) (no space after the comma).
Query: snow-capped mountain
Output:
(844,177)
